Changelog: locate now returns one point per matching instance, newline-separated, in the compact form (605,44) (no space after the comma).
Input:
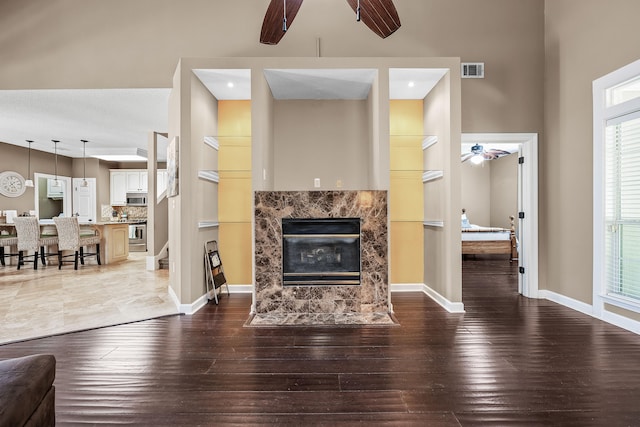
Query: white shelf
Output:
(212,142)
(208,224)
(433,223)
(429,141)
(207,175)
(431,175)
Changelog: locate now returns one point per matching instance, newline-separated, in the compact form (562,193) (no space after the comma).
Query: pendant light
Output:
(55,150)
(84,163)
(29,181)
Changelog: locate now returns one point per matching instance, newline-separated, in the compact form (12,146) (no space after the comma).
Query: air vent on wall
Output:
(472,70)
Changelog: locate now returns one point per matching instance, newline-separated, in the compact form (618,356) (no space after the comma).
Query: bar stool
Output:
(70,239)
(29,240)
(10,241)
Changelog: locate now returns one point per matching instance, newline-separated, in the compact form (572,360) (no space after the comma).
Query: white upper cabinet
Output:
(137,181)
(118,189)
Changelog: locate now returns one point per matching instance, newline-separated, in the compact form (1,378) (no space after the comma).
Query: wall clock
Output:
(11,184)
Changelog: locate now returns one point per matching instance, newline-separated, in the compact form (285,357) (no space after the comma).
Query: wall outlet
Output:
(339,183)
(316,182)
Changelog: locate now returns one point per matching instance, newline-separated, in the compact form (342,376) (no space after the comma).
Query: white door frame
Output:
(527,202)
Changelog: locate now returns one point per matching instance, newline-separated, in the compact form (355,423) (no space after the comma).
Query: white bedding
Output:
(477,233)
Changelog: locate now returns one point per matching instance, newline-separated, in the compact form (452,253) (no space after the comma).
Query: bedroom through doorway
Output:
(499,174)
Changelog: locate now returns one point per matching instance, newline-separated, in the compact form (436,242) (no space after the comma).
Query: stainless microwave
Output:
(136,199)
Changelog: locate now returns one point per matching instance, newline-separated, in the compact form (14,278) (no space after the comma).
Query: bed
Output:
(478,240)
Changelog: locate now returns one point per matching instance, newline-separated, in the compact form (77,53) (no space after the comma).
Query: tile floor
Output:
(49,301)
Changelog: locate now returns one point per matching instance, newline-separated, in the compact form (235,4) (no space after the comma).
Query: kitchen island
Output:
(114,237)
(114,242)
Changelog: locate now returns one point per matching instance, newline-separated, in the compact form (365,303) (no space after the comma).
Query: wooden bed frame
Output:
(500,247)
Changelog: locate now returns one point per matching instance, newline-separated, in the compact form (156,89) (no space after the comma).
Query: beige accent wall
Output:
(583,41)
(324,139)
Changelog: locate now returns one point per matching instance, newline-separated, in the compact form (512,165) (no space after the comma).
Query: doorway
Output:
(527,234)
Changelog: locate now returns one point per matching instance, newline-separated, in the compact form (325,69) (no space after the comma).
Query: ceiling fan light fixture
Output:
(477,149)
(477,159)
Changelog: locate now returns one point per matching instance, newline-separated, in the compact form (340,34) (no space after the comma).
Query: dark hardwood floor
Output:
(507,361)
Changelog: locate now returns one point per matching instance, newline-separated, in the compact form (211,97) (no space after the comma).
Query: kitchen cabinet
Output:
(118,187)
(125,181)
(55,189)
(137,181)
(115,242)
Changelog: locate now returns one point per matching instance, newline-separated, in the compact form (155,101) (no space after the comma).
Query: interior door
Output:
(84,200)
(519,235)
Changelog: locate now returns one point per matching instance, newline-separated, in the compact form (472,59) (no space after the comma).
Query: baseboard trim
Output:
(188,308)
(451,307)
(204,299)
(607,316)
(566,301)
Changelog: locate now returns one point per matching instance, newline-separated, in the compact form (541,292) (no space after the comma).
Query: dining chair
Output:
(70,239)
(30,241)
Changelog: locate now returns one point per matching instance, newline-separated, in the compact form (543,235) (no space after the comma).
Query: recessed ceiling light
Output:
(230,85)
(411,84)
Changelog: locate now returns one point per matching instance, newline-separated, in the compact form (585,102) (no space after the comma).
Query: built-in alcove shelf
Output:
(439,224)
(212,142)
(428,141)
(208,224)
(432,175)
(208,175)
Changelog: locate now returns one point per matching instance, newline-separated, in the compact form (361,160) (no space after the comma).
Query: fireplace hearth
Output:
(320,251)
(321,258)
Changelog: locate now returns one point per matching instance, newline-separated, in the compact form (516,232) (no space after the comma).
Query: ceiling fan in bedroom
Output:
(379,15)
(478,154)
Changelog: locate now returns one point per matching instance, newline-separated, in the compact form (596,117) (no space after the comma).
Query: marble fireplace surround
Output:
(364,304)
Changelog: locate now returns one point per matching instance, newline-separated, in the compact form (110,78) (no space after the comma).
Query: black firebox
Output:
(321,251)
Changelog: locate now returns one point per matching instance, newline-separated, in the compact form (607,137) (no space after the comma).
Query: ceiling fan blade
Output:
(380,16)
(274,25)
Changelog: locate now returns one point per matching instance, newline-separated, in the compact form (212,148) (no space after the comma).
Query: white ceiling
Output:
(113,119)
(325,83)
(119,120)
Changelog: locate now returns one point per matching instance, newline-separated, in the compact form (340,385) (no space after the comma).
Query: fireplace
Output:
(320,251)
(332,245)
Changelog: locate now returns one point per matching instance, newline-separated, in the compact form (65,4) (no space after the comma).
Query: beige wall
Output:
(15,158)
(584,40)
(121,44)
(504,190)
(442,247)
(321,139)
(476,192)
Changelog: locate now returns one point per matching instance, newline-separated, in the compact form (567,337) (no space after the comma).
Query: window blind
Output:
(622,207)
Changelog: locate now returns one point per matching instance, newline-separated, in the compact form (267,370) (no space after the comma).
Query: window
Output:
(622,207)
(617,189)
